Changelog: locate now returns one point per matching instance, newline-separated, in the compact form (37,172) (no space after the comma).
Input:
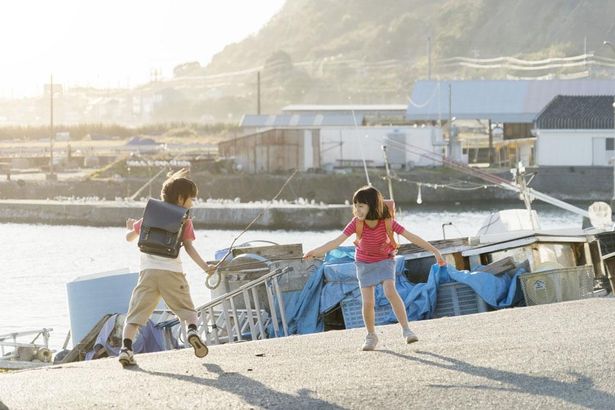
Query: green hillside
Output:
(366,51)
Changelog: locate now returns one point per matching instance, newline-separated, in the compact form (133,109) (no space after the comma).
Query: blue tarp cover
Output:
(149,338)
(336,280)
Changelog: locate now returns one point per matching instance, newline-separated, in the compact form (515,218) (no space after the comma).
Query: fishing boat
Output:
(269,291)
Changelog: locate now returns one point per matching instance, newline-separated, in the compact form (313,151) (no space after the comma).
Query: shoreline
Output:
(435,185)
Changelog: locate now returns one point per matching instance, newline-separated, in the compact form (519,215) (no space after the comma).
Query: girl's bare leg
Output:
(369,302)
(396,303)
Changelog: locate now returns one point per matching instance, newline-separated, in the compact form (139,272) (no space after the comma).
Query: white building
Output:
(575,131)
(406,146)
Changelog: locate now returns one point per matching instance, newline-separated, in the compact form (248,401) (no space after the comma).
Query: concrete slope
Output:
(551,356)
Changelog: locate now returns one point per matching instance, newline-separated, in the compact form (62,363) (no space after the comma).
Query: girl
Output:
(375,249)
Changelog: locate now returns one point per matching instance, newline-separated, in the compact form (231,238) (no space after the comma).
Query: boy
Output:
(160,276)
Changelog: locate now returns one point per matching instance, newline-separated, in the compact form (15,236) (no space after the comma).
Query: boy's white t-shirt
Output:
(160,262)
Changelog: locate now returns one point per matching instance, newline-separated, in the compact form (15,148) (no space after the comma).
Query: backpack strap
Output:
(358,230)
(388,223)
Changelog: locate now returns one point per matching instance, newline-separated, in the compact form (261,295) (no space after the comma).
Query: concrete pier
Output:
(221,216)
(557,356)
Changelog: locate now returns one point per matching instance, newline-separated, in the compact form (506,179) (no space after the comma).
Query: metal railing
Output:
(220,321)
(20,350)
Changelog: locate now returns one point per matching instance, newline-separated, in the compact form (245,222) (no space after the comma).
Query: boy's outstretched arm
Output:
(417,240)
(131,235)
(321,250)
(196,257)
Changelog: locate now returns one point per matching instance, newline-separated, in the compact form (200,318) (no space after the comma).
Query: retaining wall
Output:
(223,216)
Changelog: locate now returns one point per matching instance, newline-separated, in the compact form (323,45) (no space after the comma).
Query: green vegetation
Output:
(327,51)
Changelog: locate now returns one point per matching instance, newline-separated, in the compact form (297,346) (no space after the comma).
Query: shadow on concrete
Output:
(580,392)
(3,406)
(251,391)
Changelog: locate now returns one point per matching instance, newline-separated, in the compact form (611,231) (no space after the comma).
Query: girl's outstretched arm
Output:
(417,240)
(321,250)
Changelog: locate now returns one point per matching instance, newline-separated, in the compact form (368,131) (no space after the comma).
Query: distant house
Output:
(576,131)
(274,150)
(318,116)
(513,103)
(406,146)
(280,149)
(345,137)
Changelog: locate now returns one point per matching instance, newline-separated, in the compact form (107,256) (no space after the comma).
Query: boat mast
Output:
(519,175)
(388,171)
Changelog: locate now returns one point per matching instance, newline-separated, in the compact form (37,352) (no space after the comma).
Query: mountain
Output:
(359,52)
(363,51)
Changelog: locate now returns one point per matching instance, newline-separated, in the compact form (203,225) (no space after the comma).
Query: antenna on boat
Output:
(356,126)
(388,170)
(524,194)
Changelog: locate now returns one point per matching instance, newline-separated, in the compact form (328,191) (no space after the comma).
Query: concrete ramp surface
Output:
(548,356)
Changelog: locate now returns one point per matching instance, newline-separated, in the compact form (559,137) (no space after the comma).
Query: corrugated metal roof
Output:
(345,108)
(499,100)
(577,112)
(300,120)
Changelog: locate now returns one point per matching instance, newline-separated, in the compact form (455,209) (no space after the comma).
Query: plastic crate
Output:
(456,299)
(558,285)
(353,313)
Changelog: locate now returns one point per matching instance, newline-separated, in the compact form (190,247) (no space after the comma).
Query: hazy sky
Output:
(114,43)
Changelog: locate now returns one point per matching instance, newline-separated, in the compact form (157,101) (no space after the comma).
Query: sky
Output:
(116,43)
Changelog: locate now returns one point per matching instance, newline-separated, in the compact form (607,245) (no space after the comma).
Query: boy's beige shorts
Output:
(156,283)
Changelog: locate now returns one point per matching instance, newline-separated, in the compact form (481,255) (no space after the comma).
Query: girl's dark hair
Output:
(373,198)
(173,188)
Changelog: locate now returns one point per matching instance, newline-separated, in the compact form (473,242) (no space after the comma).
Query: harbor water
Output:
(36,261)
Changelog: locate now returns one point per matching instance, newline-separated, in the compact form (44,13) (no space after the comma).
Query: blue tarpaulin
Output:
(336,280)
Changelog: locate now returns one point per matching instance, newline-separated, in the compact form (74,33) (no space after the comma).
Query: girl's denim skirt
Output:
(371,274)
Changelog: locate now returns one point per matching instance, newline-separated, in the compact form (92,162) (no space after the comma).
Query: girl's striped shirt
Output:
(375,244)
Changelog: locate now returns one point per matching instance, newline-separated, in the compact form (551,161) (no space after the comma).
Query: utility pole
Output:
(258,92)
(51,175)
(450,121)
(613,161)
(429,57)
(490,143)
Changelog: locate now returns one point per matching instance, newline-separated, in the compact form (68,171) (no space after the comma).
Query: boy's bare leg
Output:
(126,356)
(130,331)
(193,338)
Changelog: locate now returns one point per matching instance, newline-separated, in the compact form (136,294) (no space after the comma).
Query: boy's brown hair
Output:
(178,185)
(373,198)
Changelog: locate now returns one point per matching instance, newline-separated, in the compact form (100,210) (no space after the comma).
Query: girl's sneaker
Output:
(200,349)
(127,357)
(409,336)
(371,340)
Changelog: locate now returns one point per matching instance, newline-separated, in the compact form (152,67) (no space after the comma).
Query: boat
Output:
(25,349)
